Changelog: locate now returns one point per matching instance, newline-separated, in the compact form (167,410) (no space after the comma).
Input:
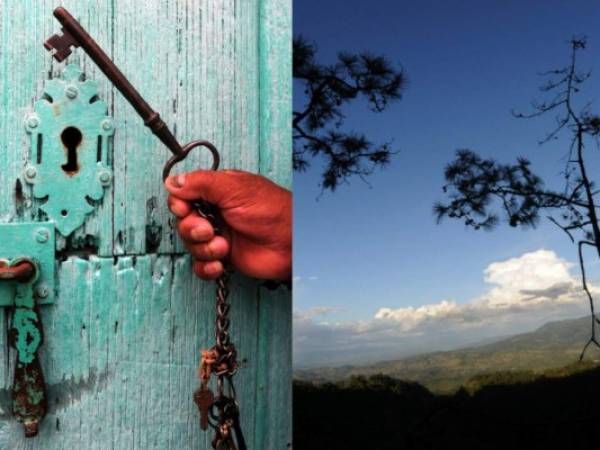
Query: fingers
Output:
(208,270)
(206,248)
(216,187)
(193,229)
(215,249)
(179,207)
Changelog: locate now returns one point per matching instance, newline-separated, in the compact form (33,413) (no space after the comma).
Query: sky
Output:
(375,276)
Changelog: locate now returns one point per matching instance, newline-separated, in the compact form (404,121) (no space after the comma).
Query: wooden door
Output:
(122,339)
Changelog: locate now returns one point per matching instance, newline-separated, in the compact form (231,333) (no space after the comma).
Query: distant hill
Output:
(554,344)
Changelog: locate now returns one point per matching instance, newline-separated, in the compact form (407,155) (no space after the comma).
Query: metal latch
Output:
(26,281)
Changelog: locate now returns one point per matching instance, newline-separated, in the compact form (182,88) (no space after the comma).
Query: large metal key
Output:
(74,35)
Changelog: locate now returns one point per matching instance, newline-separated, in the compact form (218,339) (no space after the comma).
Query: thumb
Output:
(215,187)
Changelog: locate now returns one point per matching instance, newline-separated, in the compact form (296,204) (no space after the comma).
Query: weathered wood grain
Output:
(275,308)
(122,339)
(121,354)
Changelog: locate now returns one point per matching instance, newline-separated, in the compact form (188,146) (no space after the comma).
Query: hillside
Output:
(555,409)
(554,344)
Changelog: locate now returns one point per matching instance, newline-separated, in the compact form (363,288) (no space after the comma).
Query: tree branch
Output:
(592,339)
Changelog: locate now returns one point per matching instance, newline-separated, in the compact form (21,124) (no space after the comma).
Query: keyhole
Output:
(71,138)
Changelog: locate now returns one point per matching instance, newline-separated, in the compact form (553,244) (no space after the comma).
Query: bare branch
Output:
(565,229)
(592,339)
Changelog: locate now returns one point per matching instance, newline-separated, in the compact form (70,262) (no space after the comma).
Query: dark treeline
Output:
(495,411)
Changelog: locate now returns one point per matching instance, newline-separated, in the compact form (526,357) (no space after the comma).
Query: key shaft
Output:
(151,118)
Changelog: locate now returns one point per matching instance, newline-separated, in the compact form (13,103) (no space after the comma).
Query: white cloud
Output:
(318,311)
(302,280)
(526,292)
(530,272)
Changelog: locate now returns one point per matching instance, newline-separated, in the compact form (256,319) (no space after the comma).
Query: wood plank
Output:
(275,41)
(274,401)
(205,88)
(274,398)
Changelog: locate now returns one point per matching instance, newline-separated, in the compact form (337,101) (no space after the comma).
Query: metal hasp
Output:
(68,158)
(26,281)
(26,337)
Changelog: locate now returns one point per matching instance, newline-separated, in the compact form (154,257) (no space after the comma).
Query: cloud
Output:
(554,292)
(318,311)
(302,280)
(532,281)
(526,292)
(532,272)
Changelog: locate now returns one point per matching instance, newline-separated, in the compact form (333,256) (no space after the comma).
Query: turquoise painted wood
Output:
(123,335)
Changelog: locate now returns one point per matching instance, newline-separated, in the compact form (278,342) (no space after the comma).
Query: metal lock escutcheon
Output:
(68,164)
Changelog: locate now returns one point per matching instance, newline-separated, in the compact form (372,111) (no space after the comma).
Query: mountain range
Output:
(553,345)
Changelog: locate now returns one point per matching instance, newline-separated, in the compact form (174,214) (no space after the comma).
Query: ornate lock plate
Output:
(68,158)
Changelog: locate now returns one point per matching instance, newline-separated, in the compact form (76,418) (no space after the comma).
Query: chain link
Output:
(224,412)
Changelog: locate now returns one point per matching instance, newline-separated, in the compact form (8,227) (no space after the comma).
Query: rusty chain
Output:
(221,359)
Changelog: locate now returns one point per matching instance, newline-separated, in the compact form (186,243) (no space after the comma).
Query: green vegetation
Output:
(523,356)
(550,409)
(507,378)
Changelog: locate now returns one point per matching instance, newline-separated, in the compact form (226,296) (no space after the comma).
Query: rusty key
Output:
(74,35)
(204,399)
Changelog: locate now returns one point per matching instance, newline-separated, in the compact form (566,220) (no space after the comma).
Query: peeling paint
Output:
(226,82)
(63,393)
(153,227)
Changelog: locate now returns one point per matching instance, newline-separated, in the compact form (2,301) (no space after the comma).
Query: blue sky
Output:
(469,63)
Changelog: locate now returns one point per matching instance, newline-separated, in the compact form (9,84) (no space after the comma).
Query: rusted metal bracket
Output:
(26,337)
(27,254)
(21,272)
(33,241)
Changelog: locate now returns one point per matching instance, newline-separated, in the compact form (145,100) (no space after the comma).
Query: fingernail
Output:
(177,181)
(200,233)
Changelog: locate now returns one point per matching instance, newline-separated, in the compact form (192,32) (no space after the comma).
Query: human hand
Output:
(257,231)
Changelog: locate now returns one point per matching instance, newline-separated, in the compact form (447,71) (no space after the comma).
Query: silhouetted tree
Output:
(317,126)
(479,190)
